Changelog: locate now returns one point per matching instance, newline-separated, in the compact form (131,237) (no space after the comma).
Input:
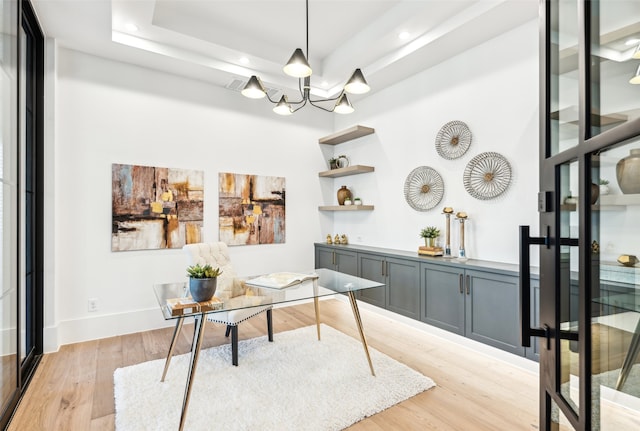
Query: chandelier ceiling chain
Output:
(298,66)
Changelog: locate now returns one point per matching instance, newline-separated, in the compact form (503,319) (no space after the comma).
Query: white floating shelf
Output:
(354,132)
(343,172)
(346,208)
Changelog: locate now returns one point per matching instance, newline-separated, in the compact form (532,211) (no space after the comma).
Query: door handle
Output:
(468,285)
(526,331)
(460,284)
(334,257)
(382,268)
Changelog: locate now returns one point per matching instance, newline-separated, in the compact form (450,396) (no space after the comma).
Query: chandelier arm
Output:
(332,99)
(319,106)
(299,107)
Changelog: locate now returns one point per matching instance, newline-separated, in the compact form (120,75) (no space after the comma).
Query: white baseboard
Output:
(103,326)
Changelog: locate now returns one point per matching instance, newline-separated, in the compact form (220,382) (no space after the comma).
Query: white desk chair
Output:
(217,255)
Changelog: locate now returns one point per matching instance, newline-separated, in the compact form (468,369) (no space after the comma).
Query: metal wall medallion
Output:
(423,188)
(487,175)
(453,140)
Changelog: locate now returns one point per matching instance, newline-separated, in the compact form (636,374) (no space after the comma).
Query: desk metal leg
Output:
(176,333)
(198,331)
(316,306)
(356,314)
(629,359)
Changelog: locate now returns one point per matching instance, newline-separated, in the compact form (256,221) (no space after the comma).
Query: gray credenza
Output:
(476,299)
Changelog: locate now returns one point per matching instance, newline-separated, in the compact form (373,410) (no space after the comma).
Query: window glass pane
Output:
(8,202)
(615,310)
(615,63)
(563,79)
(569,294)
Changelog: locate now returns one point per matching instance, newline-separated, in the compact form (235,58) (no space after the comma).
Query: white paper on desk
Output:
(280,280)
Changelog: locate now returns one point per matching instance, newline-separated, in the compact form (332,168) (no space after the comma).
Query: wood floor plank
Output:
(73,388)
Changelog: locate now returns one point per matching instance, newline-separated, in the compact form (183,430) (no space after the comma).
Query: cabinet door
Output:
(347,262)
(403,287)
(325,258)
(372,268)
(443,303)
(492,310)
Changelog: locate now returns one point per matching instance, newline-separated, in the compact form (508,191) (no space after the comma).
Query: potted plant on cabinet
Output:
(203,280)
(430,233)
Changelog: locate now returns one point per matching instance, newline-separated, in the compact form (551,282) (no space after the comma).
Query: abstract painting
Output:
(251,209)
(155,208)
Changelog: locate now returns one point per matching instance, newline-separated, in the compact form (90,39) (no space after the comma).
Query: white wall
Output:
(493,88)
(108,112)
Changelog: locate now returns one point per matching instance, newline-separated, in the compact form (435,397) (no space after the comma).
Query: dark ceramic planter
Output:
(202,289)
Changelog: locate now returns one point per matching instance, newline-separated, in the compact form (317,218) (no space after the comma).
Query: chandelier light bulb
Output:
(343,106)
(357,84)
(254,89)
(636,77)
(297,66)
(283,107)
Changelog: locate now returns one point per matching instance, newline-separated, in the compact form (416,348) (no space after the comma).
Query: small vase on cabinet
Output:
(343,194)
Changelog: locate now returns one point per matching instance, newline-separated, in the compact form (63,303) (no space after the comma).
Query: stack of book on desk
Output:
(430,251)
(181,306)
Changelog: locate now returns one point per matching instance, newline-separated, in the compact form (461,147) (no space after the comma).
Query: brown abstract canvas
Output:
(154,208)
(251,209)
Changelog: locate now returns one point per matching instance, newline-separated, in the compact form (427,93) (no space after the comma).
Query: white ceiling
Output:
(206,39)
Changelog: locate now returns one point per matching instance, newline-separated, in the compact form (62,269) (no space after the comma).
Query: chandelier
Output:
(299,67)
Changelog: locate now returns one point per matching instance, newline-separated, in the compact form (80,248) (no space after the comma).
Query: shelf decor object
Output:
(423,188)
(453,140)
(298,67)
(461,217)
(447,211)
(628,172)
(487,175)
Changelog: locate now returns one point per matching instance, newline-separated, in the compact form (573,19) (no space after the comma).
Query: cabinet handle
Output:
(334,257)
(382,267)
(460,284)
(468,284)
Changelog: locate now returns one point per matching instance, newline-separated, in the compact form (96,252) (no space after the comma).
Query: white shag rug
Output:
(295,383)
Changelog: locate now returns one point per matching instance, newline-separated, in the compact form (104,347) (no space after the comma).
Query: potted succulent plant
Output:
(430,233)
(203,280)
(604,187)
(357,201)
(333,163)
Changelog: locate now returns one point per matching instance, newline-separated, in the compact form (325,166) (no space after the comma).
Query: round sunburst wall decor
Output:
(487,175)
(453,140)
(423,188)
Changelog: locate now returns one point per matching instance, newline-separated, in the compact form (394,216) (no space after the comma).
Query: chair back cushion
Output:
(215,254)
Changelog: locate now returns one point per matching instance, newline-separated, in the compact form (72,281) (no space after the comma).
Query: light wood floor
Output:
(73,388)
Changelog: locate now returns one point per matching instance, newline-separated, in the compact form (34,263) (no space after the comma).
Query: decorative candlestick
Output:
(447,211)
(462,216)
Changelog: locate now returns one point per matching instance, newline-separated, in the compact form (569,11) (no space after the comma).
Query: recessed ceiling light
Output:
(244,60)
(403,35)
(131,27)
(632,42)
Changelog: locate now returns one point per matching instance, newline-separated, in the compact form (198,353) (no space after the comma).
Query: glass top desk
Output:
(326,283)
(626,302)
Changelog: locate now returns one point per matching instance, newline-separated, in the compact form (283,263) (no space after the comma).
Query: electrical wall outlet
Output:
(92,304)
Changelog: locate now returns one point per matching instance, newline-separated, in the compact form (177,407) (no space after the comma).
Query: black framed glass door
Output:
(21,210)
(589,207)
